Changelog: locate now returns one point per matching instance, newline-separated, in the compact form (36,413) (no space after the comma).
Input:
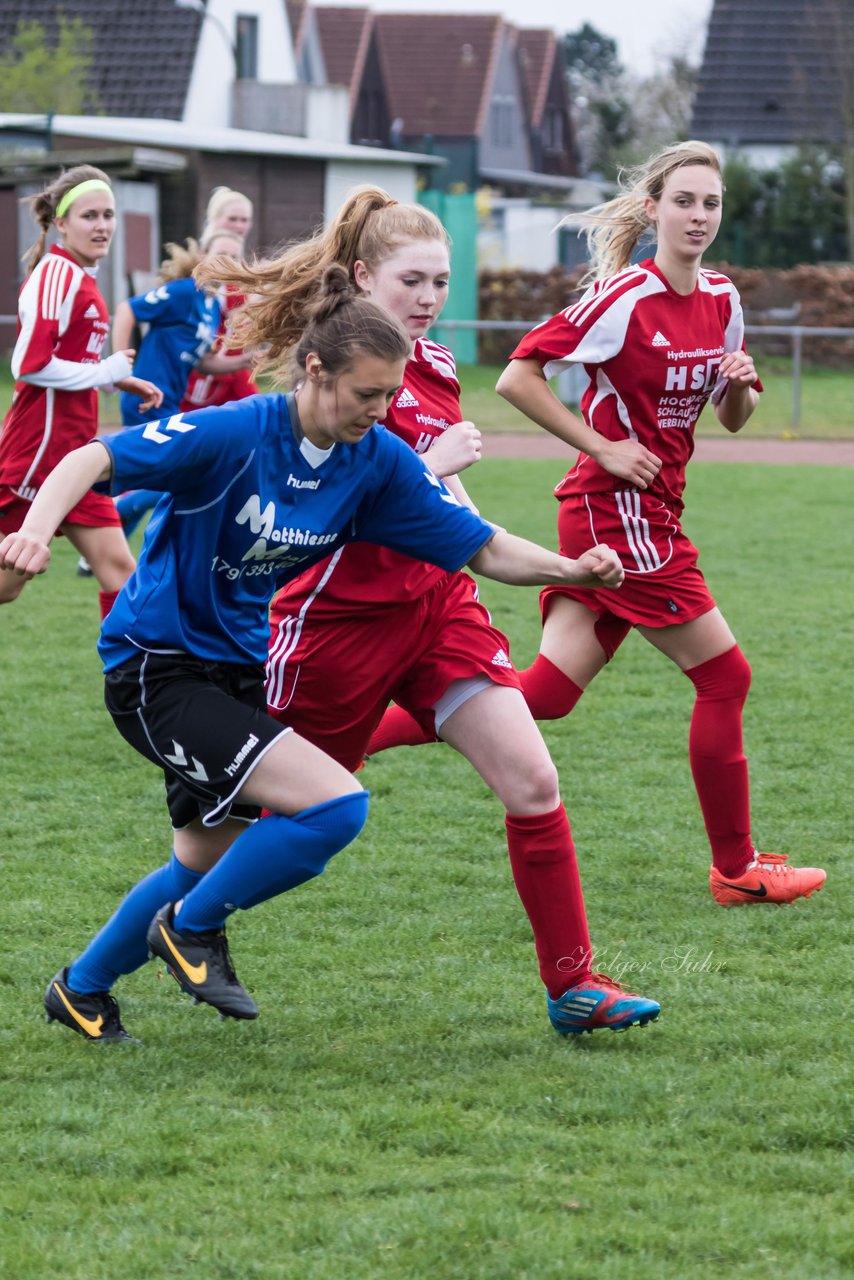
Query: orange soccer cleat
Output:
(768,879)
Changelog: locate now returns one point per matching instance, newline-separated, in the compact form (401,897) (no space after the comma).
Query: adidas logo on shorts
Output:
(659,340)
(92,313)
(501,659)
(406,400)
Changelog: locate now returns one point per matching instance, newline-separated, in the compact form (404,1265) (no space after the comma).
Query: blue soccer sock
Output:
(120,947)
(274,855)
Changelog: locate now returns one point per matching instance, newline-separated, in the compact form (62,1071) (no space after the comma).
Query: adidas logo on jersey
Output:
(92,313)
(501,659)
(659,340)
(406,400)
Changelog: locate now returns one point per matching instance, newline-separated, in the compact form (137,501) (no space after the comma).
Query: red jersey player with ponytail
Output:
(368,625)
(657,340)
(63,325)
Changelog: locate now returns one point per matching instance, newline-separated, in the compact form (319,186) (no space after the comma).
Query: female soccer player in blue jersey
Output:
(257,491)
(182,324)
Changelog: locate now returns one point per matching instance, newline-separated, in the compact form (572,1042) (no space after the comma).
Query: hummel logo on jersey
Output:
(501,659)
(406,400)
(659,340)
(303,484)
(92,313)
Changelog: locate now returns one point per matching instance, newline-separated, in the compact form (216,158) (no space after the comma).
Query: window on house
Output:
(553,129)
(501,121)
(246,46)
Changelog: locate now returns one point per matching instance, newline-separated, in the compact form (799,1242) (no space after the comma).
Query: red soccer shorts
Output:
(663,584)
(332,675)
(94,510)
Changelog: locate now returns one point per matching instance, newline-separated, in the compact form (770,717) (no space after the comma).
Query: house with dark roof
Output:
(168,84)
(776,74)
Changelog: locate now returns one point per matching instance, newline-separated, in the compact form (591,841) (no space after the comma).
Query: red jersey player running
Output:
(63,325)
(657,340)
(368,625)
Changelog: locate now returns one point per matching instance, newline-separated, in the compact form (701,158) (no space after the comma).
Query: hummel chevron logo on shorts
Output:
(406,400)
(501,659)
(659,340)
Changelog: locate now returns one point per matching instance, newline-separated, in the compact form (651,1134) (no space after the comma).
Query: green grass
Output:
(827,403)
(401,1109)
(826,412)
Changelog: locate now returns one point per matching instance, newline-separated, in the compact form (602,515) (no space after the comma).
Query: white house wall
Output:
(209,96)
(397,179)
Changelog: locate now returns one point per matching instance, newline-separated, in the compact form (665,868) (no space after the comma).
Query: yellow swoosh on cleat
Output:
(92,1026)
(195,972)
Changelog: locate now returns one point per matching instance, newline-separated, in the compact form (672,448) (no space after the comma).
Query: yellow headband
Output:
(92,184)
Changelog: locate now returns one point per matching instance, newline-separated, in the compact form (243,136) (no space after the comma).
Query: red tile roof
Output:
(438,69)
(537,48)
(344,38)
(296,11)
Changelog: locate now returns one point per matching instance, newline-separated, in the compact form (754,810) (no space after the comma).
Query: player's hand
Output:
(598,567)
(738,369)
(628,460)
(150,395)
(26,554)
(459,446)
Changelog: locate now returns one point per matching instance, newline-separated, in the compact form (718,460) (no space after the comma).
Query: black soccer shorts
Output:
(204,723)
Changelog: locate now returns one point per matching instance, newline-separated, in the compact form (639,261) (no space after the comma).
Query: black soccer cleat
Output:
(93,1015)
(200,964)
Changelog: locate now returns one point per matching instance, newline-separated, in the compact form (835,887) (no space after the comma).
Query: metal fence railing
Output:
(794,332)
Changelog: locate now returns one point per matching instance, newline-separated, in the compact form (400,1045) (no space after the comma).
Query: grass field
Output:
(402,1108)
(827,403)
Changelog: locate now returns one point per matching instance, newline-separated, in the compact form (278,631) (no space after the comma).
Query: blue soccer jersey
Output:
(249,504)
(183,323)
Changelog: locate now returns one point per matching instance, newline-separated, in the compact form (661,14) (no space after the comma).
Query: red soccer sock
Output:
(716,751)
(106,600)
(549,693)
(542,857)
(397,729)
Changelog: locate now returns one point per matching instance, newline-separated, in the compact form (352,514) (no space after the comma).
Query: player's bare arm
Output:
(524,384)
(508,558)
(741,399)
(27,552)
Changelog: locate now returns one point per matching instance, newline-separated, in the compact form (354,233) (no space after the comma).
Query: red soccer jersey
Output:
(652,357)
(62,322)
(207,389)
(361,575)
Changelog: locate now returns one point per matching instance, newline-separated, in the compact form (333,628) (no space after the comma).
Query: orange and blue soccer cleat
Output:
(598,1002)
(768,879)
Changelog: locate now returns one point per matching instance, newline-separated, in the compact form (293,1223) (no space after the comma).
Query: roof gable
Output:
(536,52)
(344,37)
(461,52)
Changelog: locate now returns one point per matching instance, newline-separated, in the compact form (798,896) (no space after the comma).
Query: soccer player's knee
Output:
(333,825)
(536,788)
(724,678)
